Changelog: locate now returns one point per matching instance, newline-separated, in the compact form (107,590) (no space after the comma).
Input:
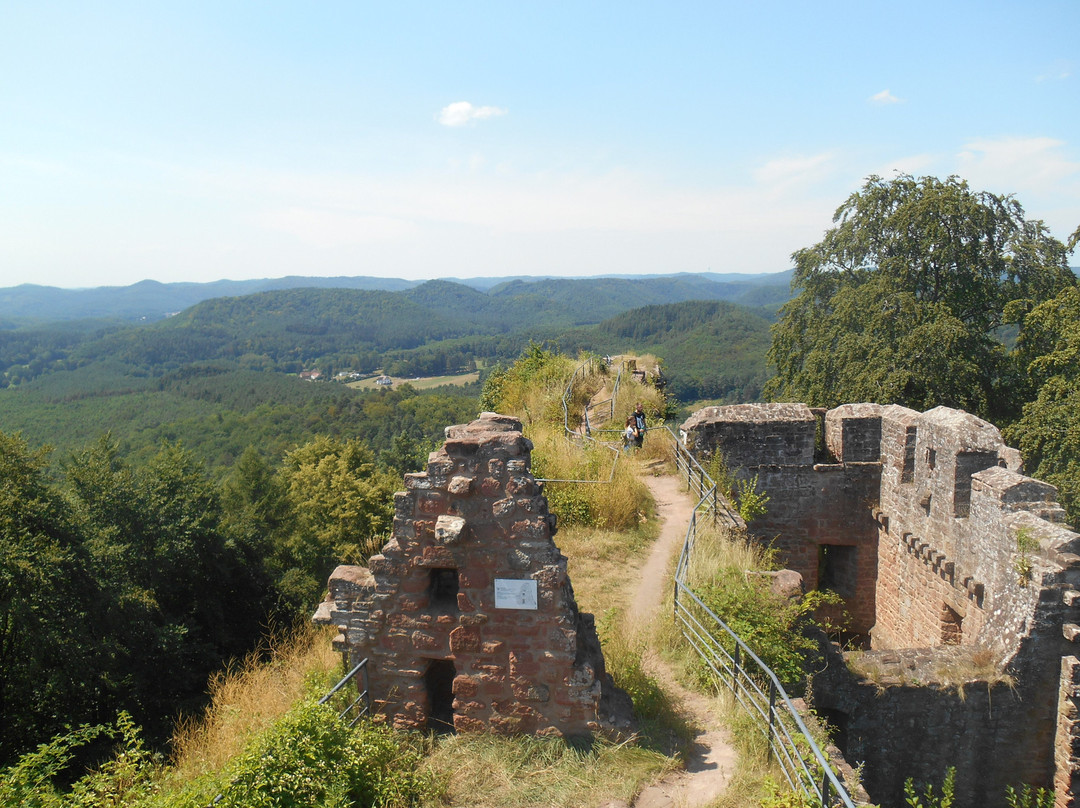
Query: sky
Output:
(199,141)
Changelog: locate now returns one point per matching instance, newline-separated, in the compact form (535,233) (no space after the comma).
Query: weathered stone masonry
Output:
(913,518)
(467,617)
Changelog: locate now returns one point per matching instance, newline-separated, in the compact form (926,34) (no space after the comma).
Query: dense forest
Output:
(195,490)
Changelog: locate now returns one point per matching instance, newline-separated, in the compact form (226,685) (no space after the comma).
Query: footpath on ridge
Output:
(711,761)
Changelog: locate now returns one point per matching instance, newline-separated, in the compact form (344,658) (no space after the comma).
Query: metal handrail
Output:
(752,683)
(364,695)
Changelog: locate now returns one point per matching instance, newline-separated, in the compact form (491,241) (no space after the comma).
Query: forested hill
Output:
(711,349)
(434,328)
(208,375)
(150,300)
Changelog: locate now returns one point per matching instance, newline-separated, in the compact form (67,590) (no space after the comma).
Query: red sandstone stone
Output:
(463,639)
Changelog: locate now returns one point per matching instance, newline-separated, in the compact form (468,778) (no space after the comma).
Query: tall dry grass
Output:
(717,549)
(486,771)
(248,697)
(594,486)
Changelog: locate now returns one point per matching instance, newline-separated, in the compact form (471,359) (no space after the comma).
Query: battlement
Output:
(927,527)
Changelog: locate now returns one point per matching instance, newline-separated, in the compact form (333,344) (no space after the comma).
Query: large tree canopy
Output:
(906,299)
(1048,434)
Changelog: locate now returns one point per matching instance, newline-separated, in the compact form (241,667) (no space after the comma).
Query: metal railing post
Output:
(735,670)
(772,717)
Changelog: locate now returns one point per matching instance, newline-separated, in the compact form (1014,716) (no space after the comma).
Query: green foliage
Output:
(1026,544)
(218,412)
(307,758)
(903,299)
(711,349)
(1048,431)
(768,624)
(127,776)
(343,506)
(47,630)
(929,798)
(785,798)
(752,504)
(311,759)
(1028,797)
(31,780)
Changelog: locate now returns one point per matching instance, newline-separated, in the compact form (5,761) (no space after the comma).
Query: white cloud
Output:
(882,98)
(462,112)
(1058,71)
(787,171)
(1018,164)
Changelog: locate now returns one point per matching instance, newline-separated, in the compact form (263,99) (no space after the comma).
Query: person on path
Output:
(630,434)
(639,422)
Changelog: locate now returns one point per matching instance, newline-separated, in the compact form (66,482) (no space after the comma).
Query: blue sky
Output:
(205,140)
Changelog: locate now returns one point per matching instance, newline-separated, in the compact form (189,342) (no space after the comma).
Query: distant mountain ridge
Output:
(152,300)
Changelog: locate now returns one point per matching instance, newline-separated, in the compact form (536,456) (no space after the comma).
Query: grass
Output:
(420,383)
(487,771)
(754,781)
(249,697)
(601,562)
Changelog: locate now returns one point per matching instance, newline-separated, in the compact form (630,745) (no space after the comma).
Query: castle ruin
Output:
(950,561)
(467,616)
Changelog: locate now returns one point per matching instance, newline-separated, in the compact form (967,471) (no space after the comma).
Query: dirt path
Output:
(712,759)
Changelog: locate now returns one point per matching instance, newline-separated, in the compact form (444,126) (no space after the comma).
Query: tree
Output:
(905,300)
(1048,433)
(45,598)
(175,594)
(344,509)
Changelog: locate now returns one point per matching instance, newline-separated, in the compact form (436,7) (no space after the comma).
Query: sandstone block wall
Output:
(922,512)
(467,617)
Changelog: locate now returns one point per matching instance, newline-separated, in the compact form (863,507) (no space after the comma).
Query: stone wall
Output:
(916,524)
(467,617)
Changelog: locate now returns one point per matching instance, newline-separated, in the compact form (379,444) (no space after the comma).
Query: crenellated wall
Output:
(467,617)
(915,520)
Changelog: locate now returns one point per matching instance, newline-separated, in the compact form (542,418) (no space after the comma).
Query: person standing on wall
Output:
(639,422)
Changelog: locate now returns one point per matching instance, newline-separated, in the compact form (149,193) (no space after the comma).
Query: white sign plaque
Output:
(514,593)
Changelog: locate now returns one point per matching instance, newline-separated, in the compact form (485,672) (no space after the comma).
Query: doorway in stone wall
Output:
(952,626)
(838,569)
(439,684)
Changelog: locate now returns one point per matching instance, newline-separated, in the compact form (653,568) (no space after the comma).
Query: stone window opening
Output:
(952,626)
(931,459)
(443,589)
(837,569)
(968,463)
(439,686)
(821,447)
(907,473)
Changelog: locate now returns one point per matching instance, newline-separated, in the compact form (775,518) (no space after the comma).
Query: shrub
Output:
(32,782)
(770,625)
(311,758)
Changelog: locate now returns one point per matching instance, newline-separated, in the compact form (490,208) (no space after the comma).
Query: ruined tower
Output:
(467,616)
